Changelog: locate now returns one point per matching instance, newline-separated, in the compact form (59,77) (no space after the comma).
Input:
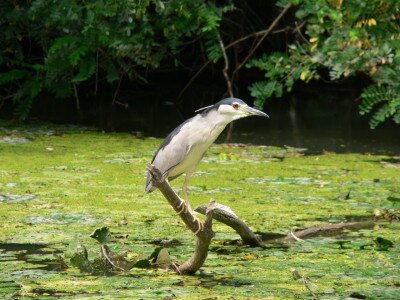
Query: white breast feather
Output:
(200,135)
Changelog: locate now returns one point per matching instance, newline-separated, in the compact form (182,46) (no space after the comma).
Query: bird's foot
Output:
(201,226)
(183,208)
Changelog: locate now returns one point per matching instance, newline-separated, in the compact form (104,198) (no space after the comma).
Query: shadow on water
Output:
(37,257)
(210,281)
(35,254)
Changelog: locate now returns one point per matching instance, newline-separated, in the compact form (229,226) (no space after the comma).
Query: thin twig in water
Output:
(295,237)
(104,252)
(176,268)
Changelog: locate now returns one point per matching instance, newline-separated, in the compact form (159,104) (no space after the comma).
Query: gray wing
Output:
(171,152)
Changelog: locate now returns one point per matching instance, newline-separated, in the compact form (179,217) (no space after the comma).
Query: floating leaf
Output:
(383,244)
(296,275)
(223,156)
(155,253)
(163,257)
(78,255)
(72,247)
(357,295)
(81,261)
(142,263)
(341,244)
(102,235)
(312,287)
(395,201)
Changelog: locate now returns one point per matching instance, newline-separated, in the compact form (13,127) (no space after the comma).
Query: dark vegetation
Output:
(122,64)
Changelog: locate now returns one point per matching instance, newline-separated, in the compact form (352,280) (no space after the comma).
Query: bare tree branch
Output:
(251,52)
(228,82)
(226,67)
(203,231)
(117,90)
(202,243)
(78,106)
(193,78)
(224,215)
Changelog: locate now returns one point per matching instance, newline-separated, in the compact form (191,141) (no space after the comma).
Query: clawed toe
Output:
(182,207)
(201,226)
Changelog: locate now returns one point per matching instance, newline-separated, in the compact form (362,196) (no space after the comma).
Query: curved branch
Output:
(226,66)
(203,241)
(203,233)
(224,215)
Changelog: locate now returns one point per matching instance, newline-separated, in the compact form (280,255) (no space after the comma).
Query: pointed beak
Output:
(255,112)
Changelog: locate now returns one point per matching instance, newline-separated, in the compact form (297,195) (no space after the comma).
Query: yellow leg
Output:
(185,192)
(188,207)
(181,207)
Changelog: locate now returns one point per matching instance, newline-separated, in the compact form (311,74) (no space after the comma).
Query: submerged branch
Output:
(105,252)
(323,229)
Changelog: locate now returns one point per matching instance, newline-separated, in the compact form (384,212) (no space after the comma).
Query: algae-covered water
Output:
(57,186)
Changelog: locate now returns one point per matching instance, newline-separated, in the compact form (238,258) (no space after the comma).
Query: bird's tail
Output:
(149,184)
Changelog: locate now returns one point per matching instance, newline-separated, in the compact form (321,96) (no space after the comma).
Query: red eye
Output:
(235,105)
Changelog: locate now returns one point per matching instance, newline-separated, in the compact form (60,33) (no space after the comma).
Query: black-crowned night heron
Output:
(184,147)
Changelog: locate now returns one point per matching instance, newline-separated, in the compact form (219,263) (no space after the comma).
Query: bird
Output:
(185,146)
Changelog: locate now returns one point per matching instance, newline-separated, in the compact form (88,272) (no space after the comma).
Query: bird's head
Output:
(232,109)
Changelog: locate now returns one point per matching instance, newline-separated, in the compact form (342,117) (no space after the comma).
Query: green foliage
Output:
(395,201)
(372,96)
(80,43)
(78,255)
(383,244)
(343,38)
(109,261)
(102,235)
(213,48)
